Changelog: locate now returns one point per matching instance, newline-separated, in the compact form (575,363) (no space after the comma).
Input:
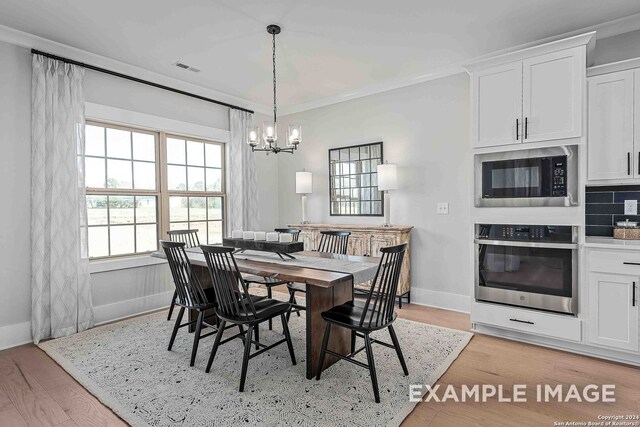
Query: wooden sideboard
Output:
(365,240)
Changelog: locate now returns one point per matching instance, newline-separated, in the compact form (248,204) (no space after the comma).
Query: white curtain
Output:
(60,284)
(244,211)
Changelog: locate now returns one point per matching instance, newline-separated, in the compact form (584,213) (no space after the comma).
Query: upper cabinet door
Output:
(610,144)
(497,98)
(552,95)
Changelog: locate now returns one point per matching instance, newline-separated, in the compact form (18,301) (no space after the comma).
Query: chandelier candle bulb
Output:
(236,234)
(253,136)
(248,235)
(272,236)
(260,235)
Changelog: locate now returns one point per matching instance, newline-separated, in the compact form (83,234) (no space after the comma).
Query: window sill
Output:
(101,266)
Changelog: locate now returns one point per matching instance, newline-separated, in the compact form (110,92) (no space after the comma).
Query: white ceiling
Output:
(327,49)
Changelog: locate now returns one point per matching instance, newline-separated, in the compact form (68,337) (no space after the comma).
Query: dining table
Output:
(328,281)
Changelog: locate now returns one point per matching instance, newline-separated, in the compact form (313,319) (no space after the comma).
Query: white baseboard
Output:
(444,300)
(15,335)
(121,309)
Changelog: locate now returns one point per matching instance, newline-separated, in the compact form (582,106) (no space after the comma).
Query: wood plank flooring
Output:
(35,391)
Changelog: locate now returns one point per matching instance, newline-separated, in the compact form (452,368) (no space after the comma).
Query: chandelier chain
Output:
(274,80)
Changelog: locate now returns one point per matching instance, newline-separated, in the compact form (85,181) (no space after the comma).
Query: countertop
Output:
(611,243)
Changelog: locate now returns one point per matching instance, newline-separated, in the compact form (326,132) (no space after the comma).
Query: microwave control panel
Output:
(525,233)
(559,168)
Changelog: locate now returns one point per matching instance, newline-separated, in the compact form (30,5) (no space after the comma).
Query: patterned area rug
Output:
(127,366)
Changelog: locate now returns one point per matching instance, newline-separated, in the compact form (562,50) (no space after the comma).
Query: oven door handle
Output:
(527,244)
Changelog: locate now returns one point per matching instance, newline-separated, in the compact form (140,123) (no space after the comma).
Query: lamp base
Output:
(387,210)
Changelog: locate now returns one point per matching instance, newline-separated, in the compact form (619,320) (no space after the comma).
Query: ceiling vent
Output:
(186,67)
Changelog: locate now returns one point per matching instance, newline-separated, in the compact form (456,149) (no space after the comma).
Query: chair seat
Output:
(266,308)
(267,281)
(297,287)
(350,313)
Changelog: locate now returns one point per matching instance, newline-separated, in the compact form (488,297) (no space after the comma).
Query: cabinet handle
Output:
(631,263)
(628,163)
(518,132)
(638,162)
(526,127)
(522,321)
(633,295)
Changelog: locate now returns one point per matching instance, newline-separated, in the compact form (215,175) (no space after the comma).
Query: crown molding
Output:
(29,41)
(627,64)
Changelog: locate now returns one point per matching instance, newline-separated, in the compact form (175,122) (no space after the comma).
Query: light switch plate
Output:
(443,208)
(631,207)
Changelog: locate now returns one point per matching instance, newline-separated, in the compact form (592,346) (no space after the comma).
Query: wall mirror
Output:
(353,180)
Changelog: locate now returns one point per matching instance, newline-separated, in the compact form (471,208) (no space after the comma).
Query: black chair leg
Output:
(400,301)
(216,343)
(372,367)
(353,341)
(176,327)
(173,304)
(396,344)
(257,334)
(409,297)
(196,337)
(269,295)
(295,301)
(245,359)
(287,335)
(292,298)
(323,350)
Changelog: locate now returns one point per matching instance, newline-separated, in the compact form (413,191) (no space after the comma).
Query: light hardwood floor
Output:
(35,391)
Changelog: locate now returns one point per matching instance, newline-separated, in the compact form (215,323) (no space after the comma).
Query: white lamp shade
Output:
(387,177)
(304,182)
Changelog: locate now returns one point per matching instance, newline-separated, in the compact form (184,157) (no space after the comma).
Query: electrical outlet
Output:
(631,207)
(443,208)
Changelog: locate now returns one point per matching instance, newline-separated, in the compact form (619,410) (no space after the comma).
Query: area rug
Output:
(126,365)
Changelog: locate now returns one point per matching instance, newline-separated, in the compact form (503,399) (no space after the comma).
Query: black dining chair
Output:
(238,307)
(375,313)
(270,282)
(190,294)
(190,239)
(335,242)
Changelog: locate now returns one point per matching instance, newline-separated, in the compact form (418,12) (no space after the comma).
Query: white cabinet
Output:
(613,310)
(611,150)
(539,98)
(497,97)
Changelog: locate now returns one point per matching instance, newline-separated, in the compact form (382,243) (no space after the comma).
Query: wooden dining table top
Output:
(282,271)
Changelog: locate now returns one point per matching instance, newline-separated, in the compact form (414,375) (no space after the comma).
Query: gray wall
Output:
(425,130)
(617,48)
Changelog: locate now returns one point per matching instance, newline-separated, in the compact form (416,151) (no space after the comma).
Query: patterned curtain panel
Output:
(60,287)
(244,209)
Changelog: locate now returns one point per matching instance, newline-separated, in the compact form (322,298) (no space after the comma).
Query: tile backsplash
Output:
(605,206)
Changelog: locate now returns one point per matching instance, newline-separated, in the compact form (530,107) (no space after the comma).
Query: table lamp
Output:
(387,180)
(304,186)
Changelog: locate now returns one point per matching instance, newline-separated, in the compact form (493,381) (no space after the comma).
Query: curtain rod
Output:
(137,80)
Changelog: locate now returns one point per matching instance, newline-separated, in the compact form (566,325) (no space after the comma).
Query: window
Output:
(353,180)
(141,184)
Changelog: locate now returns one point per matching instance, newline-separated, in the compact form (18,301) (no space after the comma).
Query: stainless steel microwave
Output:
(538,177)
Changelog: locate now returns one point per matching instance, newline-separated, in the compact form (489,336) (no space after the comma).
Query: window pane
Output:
(376,207)
(98,241)
(177,177)
(97,210)
(213,155)
(175,151)
(179,226)
(144,146)
(118,143)
(122,239)
(178,208)
(146,238)
(197,208)
(144,175)
(94,140)
(215,207)
(146,209)
(121,210)
(202,230)
(215,232)
(214,179)
(375,151)
(195,179)
(94,172)
(195,153)
(118,173)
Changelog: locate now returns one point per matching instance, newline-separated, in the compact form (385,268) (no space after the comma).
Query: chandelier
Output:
(270,128)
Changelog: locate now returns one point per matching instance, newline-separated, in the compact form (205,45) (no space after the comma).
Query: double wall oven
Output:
(532,266)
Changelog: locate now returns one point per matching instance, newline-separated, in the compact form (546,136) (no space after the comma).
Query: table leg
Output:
(319,300)
(205,280)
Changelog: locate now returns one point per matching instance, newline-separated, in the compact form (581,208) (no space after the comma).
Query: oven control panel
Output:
(527,233)
(559,168)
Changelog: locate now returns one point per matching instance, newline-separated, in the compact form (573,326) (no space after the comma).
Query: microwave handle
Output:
(628,163)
